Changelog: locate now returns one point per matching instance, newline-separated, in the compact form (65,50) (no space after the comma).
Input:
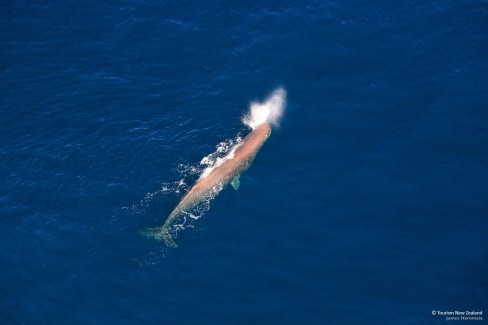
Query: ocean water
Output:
(368,205)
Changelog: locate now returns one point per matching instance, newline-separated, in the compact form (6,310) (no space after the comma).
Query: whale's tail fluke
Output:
(159,233)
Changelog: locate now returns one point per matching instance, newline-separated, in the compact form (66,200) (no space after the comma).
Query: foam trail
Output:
(270,110)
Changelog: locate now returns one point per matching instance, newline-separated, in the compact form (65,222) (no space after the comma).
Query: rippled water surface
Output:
(367,205)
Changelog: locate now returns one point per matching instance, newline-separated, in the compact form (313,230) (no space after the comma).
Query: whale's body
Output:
(209,185)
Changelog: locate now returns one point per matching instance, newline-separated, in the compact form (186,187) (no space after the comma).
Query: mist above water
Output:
(270,110)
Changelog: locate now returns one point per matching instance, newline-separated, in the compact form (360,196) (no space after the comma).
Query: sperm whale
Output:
(232,166)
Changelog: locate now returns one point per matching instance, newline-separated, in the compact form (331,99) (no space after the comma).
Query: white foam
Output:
(215,159)
(270,110)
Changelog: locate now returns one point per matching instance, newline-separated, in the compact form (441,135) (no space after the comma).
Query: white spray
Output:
(270,110)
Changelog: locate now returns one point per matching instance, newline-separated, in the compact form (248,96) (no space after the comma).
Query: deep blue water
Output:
(368,205)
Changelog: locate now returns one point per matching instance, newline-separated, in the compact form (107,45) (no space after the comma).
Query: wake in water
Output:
(186,174)
(218,169)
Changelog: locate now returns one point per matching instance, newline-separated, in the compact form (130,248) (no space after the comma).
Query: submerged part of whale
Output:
(159,233)
(236,182)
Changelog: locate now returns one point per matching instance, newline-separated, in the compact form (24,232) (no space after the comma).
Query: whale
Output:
(209,185)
